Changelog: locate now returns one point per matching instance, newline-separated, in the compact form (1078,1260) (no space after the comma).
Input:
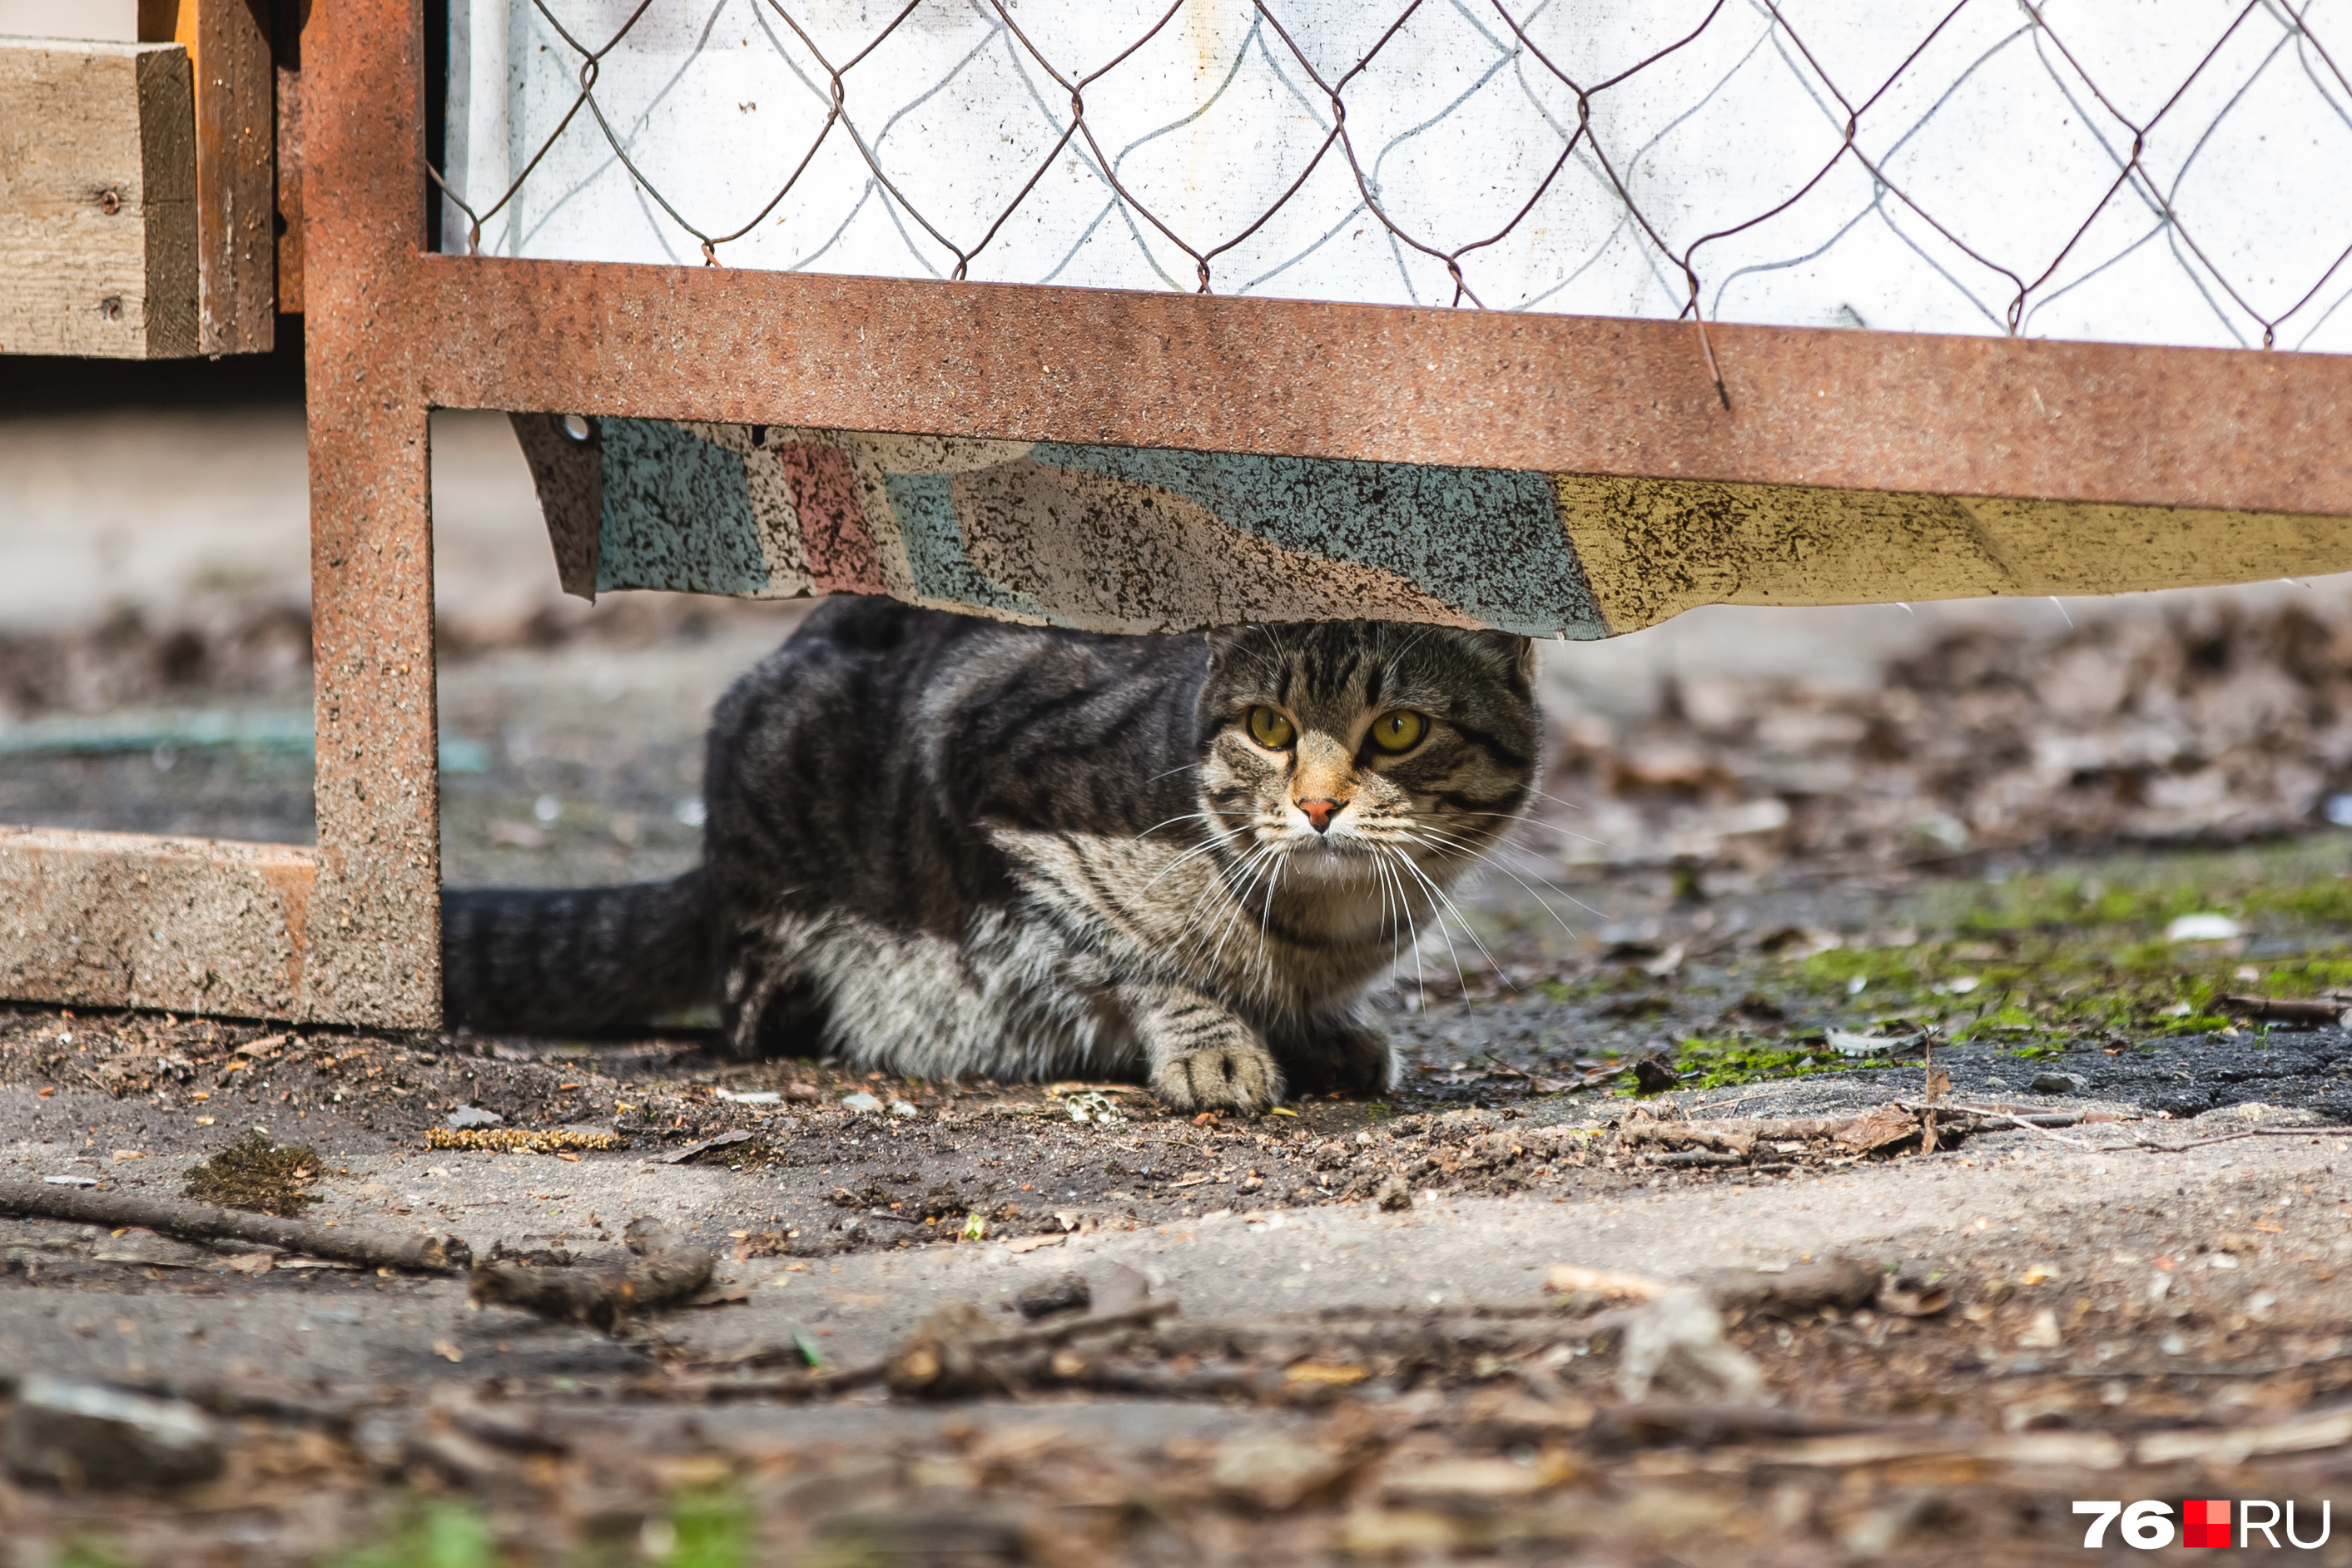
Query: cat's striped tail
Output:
(575,960)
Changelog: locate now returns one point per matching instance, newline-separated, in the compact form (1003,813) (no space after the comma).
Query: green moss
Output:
(437,1535)
(1725,1060)
(256,1174)
(710,1530)
(1891,966)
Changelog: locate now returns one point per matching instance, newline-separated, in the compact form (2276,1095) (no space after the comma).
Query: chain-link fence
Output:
(2160,170)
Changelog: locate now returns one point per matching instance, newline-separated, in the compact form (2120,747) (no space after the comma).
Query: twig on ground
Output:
(1995,1117)
(818,1384)
(207,1221)
(1842,1282)
(2152,1145)
(667,1269)
(2285,1009)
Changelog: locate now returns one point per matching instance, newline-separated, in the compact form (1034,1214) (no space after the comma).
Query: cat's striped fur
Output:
(945,845)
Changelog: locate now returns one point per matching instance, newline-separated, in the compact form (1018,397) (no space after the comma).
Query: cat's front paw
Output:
(1238,1076)
(1342,1056)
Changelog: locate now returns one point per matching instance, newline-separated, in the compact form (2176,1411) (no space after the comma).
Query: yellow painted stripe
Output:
(1654,548)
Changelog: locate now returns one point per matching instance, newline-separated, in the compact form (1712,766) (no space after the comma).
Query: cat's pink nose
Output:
(1319,813)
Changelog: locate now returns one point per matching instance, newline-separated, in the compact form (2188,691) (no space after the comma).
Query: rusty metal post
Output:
(374,921)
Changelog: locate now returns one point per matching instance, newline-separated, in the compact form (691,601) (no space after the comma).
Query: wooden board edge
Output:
(123,920)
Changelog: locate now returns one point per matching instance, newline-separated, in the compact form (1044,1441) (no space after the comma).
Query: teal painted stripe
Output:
(678,513)
(1487,540)
(924,507)
(284,730)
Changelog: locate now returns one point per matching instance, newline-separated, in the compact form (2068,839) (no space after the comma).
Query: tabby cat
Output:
(943,846)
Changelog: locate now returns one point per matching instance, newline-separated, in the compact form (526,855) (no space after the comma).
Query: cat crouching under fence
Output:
(942,845)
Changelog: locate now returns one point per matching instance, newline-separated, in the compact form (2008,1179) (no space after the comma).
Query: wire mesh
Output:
(2164,171)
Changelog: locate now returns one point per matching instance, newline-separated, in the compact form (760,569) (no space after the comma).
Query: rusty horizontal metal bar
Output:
(2011,418)
(123,920)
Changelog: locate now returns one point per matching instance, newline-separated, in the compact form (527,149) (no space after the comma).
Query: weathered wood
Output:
(287,18)
(123,920)
(98,200)
(229,48)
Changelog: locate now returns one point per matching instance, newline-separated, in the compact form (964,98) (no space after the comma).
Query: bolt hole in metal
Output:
(576,427)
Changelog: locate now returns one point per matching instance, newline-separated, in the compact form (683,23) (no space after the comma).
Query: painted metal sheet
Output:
(1127,539)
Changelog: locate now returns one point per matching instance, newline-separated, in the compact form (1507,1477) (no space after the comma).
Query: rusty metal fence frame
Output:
(349,932)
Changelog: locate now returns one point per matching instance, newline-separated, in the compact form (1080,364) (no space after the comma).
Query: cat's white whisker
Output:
(1211,887)
(1547,826)
(1489,857)
(1399,859)
(1486,858)
(1213,842)
(1446,901)
(1241,901)
(1187,817)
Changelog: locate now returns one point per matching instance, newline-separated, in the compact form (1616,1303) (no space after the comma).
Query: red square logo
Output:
(2205,1523)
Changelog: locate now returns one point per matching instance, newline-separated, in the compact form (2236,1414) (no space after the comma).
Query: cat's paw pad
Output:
(1234,1077)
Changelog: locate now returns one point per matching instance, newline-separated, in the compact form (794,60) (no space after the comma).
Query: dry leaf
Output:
(1887,1124)
(252,1262)
(1328,1372)
(1031,1243)
(447,1351)
(1472,1480)
(1912,1297)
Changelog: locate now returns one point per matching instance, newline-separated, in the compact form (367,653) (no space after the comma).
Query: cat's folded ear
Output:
(1519,655)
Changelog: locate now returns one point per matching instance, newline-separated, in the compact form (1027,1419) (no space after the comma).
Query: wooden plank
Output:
(230,45)
(123,920)
(98,200)
(287,18)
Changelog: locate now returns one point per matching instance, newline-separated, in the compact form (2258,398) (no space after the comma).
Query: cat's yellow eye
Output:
(1270,729)
(1399,730)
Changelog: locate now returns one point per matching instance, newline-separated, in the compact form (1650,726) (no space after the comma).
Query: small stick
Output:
(1987,1111)
(2247,1132)
(207,1222)
(1927,1068)
(665,1270)
(809,1385)
(1045,1335)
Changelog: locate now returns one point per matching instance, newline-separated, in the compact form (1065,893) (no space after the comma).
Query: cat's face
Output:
(1339,745)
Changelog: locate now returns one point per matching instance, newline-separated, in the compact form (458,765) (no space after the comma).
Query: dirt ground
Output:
(1687,1036)
(2133,1298)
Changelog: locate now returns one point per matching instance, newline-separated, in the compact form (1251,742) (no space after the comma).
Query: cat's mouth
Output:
(1344,844)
